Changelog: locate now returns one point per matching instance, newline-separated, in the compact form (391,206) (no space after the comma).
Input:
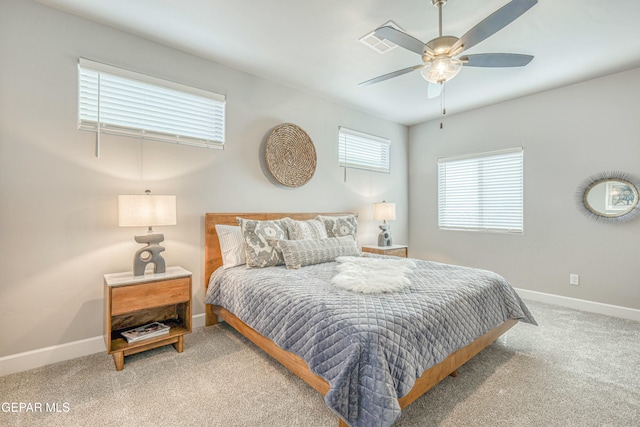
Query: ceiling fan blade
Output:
(496,60)
(401,39)
(390,75)
(493,23)
(434,90)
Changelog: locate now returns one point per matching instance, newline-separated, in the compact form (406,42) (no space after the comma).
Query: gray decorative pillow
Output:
(298,253)
(338,226)
(301,230)
(261,238)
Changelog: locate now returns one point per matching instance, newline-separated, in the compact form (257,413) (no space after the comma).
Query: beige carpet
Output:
(575,369)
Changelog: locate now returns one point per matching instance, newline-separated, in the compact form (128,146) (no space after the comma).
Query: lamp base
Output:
(149,254)
(384,238)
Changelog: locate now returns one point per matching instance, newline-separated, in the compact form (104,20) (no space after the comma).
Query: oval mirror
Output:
(611,196)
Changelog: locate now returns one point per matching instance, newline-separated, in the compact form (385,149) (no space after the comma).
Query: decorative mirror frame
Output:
(592,181)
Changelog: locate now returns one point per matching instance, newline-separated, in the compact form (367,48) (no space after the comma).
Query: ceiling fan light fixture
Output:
(441,70)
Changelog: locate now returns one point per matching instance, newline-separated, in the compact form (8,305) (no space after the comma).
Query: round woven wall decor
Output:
(290,155)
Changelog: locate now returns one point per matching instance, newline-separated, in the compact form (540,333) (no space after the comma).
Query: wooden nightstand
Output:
(131,301)
(393,250)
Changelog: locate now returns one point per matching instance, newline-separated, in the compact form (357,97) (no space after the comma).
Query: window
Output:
(362,151)
(482,192)
(117,101)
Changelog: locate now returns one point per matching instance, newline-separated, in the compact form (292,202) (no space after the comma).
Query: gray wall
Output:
(58,215)
(569,134)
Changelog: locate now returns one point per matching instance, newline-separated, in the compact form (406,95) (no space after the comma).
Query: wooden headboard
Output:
(212,253)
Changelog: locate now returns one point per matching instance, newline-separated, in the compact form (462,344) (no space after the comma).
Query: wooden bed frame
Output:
(430,377)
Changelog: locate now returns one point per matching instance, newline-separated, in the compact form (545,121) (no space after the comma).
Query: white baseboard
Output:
(59,353)
(198,320)
(45,356)
(581,304)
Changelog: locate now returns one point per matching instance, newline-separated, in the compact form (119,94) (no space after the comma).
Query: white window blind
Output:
(482,192)
(363,151)
(118,101)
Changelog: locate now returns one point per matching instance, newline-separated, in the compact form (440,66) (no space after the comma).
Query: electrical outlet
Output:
(574,279)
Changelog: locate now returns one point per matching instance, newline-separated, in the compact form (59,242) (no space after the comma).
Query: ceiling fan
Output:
(439,56)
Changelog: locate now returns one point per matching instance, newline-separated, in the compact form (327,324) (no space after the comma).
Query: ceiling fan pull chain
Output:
(442,105)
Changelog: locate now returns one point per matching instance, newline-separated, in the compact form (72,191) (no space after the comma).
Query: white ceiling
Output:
(313,45)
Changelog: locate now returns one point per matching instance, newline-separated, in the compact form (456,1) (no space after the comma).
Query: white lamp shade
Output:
(384,211)
(146,210)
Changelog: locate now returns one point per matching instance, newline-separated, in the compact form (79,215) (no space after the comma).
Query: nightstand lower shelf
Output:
(120,344)
(121,348)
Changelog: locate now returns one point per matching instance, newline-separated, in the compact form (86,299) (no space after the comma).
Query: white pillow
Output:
(232,245)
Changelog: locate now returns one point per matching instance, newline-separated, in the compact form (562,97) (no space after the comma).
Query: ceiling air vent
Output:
(379,45)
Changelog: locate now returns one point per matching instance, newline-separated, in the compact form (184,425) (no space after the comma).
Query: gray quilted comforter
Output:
(370,348)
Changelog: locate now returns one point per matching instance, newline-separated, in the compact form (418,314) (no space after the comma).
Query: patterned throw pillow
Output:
(301,230)
(338,226)
(298,253)
(232,246)
(261,238)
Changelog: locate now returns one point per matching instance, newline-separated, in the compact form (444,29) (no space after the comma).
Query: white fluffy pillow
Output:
(373,275)
(232,245)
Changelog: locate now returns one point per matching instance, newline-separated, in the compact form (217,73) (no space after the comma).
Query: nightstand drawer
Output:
(402,252)
(126,299)
(395,250)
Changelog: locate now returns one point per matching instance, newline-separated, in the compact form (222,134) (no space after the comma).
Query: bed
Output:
(355,401)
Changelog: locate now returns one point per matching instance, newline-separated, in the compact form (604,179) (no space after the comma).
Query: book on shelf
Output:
(143,332)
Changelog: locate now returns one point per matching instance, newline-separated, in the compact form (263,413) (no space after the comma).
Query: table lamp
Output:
(382,212)
(147,210)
